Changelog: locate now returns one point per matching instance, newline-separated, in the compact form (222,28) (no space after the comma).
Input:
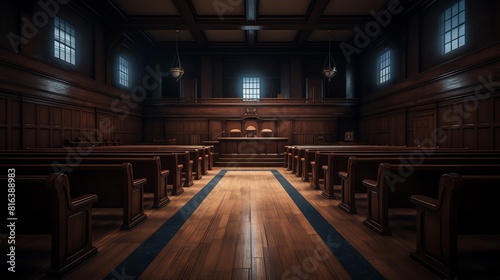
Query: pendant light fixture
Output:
(329,69)
(176,70)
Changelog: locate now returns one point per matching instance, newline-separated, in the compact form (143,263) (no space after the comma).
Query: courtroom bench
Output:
(169,161)
(466,204)
(44,205)
(201,155)
(340,159)
(396,183)
(144,167)
(362,167)
(196,154)
(114,184)
(296,152)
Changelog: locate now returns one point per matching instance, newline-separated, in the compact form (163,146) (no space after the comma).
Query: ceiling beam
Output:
(187,14)
(251,16)
(314,17)
(174,23)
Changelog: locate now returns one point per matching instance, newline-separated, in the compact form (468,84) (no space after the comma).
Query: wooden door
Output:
(423,130)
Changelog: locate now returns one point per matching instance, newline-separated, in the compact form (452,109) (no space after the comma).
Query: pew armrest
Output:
(343,174)
(313,163)
(164,173)
(425,202)
(81,202)
(324,167)
(370,184)
(140,183)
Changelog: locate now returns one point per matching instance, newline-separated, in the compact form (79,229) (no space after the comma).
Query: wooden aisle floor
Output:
(249,228)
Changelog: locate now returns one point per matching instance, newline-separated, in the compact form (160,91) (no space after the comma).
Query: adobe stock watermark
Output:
(372,29)
(221,7)
(455,116)
(30,28)
(309,265)
(75,155)
(139,93)
(121,276)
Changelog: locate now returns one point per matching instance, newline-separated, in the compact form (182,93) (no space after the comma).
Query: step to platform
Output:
(249,160)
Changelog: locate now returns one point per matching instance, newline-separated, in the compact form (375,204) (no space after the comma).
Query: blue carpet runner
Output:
(354,263)
(135,264)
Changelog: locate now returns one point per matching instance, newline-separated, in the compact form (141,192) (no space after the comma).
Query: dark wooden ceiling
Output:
(239,23)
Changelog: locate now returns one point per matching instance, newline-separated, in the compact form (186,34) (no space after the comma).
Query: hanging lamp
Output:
(176,70)
(329,68)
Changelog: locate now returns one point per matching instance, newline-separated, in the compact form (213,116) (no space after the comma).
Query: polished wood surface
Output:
(252,145)
(226,249)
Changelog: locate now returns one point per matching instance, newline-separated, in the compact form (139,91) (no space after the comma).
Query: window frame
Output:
(453,32)
(123,75)
(64,41)
(253,85)
(387,75)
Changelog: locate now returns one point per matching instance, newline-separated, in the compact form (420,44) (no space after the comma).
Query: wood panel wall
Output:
(303,123)
(466,117)
(44,100)
(30,123)
(433,99)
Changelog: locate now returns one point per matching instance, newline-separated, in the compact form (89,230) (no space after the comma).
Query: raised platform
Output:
(252,145)
(249,160)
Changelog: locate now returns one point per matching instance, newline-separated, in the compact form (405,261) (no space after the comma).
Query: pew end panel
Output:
(396,183)
(113,183)
(461,200)
(69,220)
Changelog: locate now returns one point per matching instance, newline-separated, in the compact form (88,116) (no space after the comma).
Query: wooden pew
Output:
(198,154)
(44,204)
(113,183)
(298,155)
(461,207)
(188,158)
(397,182)
(362,167)
(169,161)
(321,159)
(339,161)
(205,152)
(144,167)
(138,149)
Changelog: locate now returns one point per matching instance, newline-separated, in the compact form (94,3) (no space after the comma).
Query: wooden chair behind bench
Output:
(463,203)
(44,205)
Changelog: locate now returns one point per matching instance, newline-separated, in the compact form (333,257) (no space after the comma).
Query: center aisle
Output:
(248,227)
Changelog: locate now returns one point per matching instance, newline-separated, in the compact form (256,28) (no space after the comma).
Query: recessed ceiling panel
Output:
(148,7)
(225,35)
(353,8)
(169,35)
(283,7)
(219,8)
(324,36)
(276,35)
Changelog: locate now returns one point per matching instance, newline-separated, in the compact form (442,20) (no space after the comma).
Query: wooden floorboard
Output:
(249,228)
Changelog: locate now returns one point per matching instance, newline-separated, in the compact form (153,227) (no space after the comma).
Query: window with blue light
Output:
(251,88)
(64,41)
(453,21)
(384,66)
(123,71)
